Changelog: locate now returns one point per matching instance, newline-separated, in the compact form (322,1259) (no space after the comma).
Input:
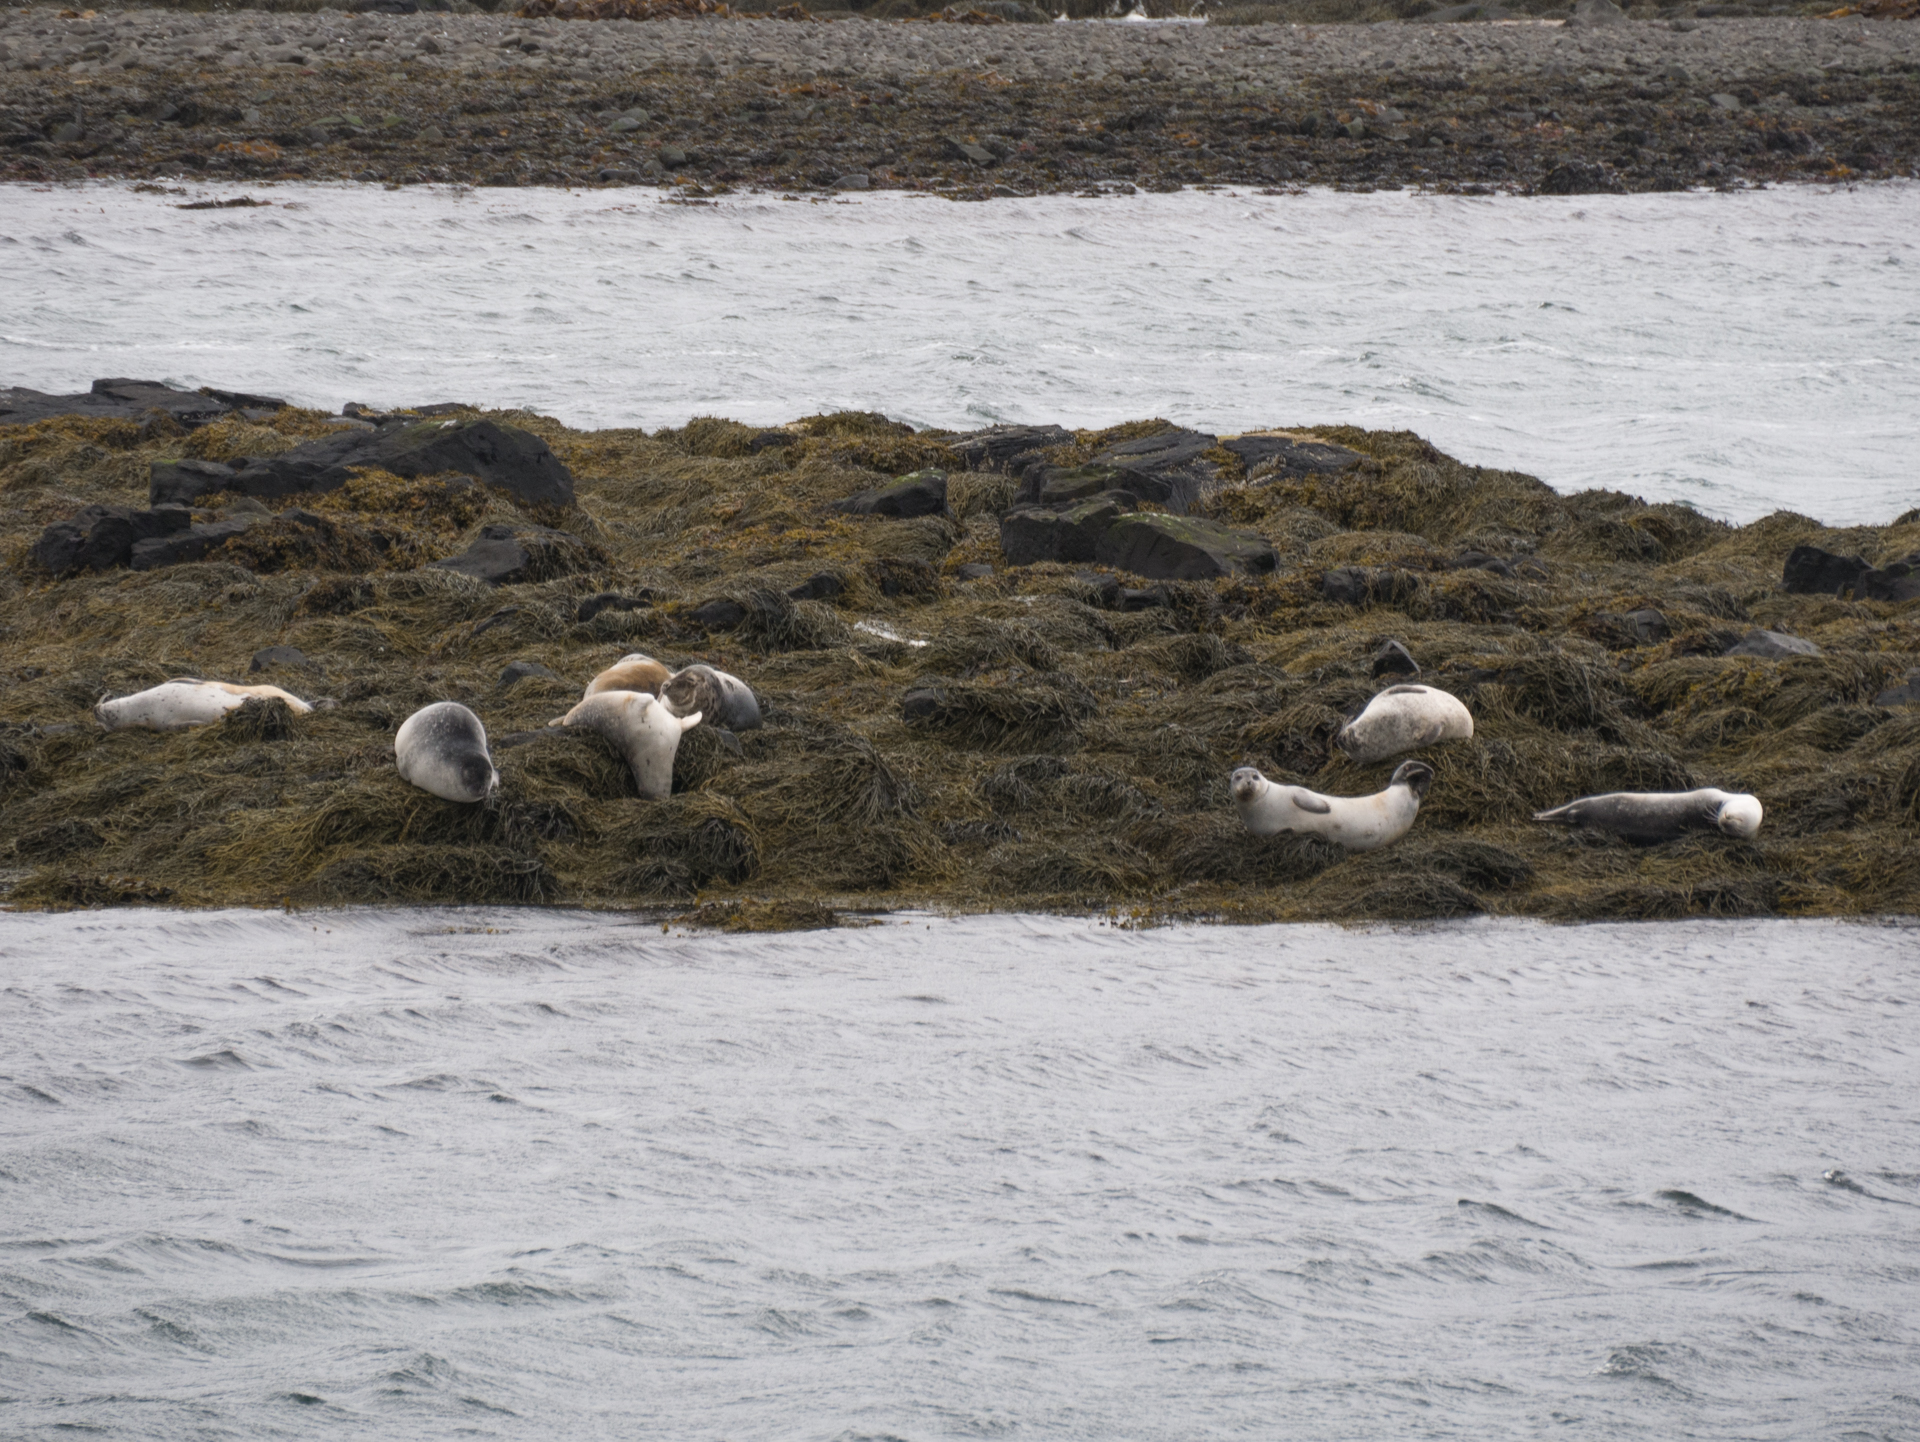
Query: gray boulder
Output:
(924,493)
(1907,693)
(995,448)
(1811,571)
(1897,581)
(1034,534)
(118,398)
(99,538)
(1771,646)
(1394,659)
(1183,548)
(181,483)
(511,554)
(1289,459)
(1169,469)
(181,547)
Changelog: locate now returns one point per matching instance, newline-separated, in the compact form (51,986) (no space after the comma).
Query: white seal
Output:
(647,733)
(1359,823)
(176,705)
(632,672)
(442,748)
(1661,815)
(1404,718)
(723,699)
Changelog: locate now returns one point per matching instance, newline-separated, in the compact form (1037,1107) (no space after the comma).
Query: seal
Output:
(1650,816)
(442,748)
(1404,718)
(723,699)
(646,731)
(632,672)
(1358,823)
(178,704)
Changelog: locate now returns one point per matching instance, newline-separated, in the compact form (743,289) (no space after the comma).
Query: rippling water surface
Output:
(523,1175)
(1741,352)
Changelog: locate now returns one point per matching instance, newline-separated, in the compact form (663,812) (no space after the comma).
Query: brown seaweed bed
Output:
(1079,760)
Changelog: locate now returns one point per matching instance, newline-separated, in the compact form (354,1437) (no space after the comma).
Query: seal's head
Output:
(1740,816)
(1416,775)
(478,779)
(1247,785)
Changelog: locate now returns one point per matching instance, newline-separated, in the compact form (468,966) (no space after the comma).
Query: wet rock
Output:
(1183,548)
(720,614)
(1367,585)
(1063,485)
(924,493)
(1394,659)
(1771,646)
(1810,571)
(974,571)
(1102,590)
(1648,626)
(506,555)
(923,703)
(992,449)
(1035,534)
(519,671)
(181,483)
(271,656)
(1897,581)
(180,547)
(114,399)
(1169,469)
(1905,694)
(825,586)
(99,538)
(609,601)
(1285,458)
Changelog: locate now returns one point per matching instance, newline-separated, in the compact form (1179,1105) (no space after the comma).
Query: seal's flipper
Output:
(1307,801)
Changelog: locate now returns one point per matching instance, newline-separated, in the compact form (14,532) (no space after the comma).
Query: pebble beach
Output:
(711,104)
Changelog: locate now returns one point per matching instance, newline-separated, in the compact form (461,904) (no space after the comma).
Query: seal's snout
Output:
(1245,784)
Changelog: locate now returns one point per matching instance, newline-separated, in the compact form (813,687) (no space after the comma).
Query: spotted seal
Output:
(442,748)
(723,699)
(646,731)
(1404,718)
(1650,816)
(1358,823)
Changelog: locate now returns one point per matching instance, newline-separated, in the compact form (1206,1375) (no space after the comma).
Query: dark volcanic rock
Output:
(994,448)
(1287,457)
(1897,581)
(1063,485)
(1036,534)
(180,547)
(101,537)
(1394,659)
(1771,646)
(271,656)
(1183,548)
(720,614)
(519,671)
(823,586)
(508,555)
(119,399)
(1170,469)
(924,493)
(1811,571)
(181,483)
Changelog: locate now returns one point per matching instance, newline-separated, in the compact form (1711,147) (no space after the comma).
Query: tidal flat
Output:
(947,727)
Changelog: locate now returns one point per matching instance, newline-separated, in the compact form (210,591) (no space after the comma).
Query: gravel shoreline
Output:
(969,110)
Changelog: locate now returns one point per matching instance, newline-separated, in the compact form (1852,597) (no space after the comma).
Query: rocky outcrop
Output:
(924,493)
(509,554)
(1279,457)
(180,547)
(1169,469)
(1003,448)
(1811,571)
(1033,534)
(132,400)
(100,538)
(1183,548)
(1896,581)
(506,457)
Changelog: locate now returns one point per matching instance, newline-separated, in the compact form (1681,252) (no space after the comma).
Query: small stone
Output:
(1724,101)
(1905,694)
(609,601)
(720,614)
(271,656)
(824,586)
(1394,659)
(519,671)
(974,571)
(1771,646)
(853,180)
(924,493)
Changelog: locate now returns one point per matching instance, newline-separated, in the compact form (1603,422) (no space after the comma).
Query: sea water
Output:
(513,1174)
(1742,353)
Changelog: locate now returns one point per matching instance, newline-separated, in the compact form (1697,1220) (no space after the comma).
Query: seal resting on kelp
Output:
(632,672)
(442,748)
(179,704)
(723,699)
(1650,816)
(1358,823)
(1404,718)
(646,731)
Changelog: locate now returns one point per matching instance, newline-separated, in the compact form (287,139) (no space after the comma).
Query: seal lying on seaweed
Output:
(184,702)
(442,748)
(646,731)
(1404,718)
(1650,816)
(1358,823)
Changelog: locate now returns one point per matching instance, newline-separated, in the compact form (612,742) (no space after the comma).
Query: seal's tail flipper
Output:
(1560,815)
(687,723)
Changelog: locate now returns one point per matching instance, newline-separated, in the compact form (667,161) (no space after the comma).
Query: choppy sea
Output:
(510,1174)
(1743,353)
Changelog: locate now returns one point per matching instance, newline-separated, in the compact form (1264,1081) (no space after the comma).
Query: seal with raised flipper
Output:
(1650,816)
(442,748)
(178,704)
(632,672)
(1358,823)
(1404,718)
(725,700)
(646,731)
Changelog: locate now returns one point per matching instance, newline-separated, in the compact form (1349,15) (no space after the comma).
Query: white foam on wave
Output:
(1742,353)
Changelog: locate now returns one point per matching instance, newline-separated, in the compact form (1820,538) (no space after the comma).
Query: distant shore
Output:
(972,111)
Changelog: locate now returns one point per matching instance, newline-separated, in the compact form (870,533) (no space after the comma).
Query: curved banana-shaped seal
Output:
(1404,718)
(647,733)
(1358,823)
